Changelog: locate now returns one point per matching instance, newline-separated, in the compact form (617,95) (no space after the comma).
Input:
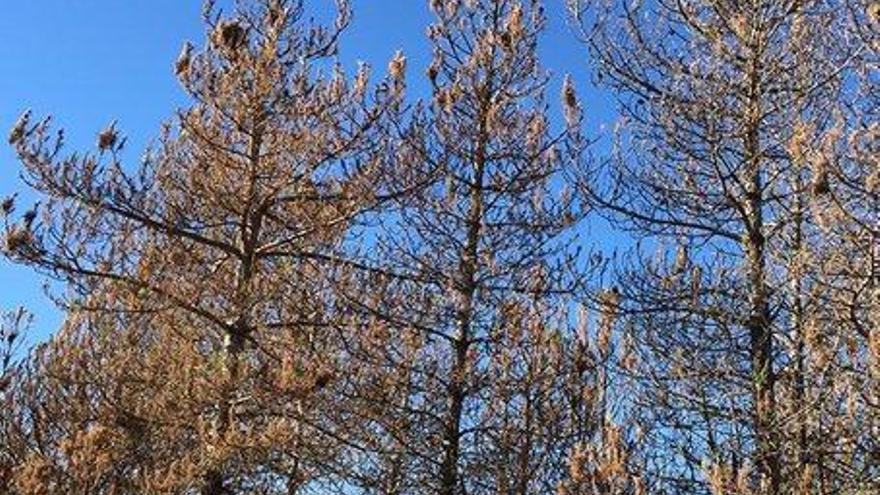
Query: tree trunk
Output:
(238,332)
(456,391)
(797,303)
(759,325)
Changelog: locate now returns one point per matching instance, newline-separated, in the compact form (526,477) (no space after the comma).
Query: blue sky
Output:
(88,62)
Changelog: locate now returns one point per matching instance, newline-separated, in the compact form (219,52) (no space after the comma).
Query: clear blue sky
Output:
(88,62)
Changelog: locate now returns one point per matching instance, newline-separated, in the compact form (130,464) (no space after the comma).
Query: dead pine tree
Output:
(841,337)
(483,247)
(225,231)
(710,94)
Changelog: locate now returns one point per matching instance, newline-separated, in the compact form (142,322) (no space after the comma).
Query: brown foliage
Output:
(309,287)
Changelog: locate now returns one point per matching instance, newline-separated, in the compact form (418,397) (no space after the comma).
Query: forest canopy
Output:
(315,283)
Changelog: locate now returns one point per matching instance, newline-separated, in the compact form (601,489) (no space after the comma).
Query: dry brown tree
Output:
(303,288)
(842,330)
(13,325)
(201,319)
(721,101)
(470,276)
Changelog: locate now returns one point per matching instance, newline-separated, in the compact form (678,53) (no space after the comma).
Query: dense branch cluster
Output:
(312,284)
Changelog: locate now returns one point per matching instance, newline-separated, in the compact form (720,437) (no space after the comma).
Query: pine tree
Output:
(199,282)
(474,269)
(712,96)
